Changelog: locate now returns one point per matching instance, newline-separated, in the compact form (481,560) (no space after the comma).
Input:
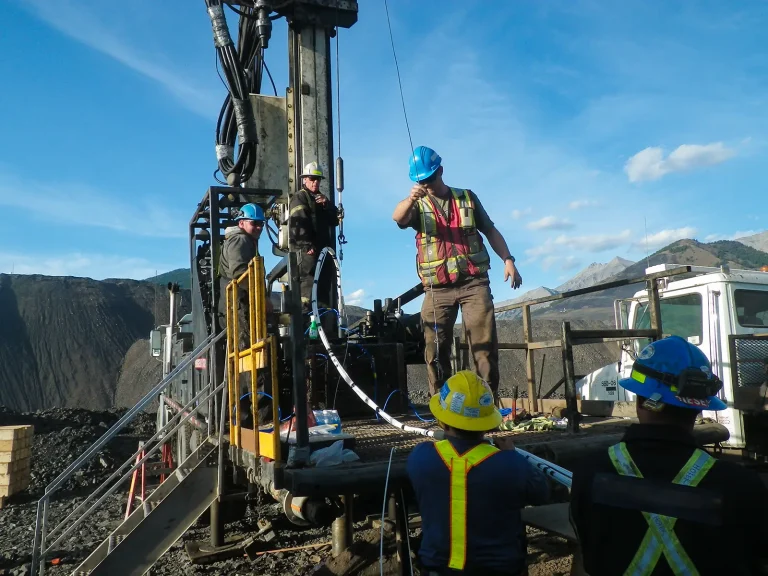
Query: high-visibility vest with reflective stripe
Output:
(660,537)
(459,466)
(448,249)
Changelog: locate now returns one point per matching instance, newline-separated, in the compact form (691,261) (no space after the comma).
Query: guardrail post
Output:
(654,307)
(530,371)
(570,380)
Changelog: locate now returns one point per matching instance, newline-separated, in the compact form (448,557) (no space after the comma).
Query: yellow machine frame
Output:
(260,354)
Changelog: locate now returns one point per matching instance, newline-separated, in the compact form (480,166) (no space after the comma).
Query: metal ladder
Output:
(139,540)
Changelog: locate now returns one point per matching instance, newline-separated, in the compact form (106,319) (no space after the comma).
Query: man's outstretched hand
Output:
(511,272)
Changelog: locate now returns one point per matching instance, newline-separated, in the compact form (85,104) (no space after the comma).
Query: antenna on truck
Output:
(647,255)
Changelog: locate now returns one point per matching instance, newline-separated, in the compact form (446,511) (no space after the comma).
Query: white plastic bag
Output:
(333,455)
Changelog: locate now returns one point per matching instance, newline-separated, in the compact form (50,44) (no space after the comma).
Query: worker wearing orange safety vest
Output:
(452,263)
(469,492)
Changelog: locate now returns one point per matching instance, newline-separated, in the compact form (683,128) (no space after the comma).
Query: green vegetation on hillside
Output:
(724,250)
(180,276)
(747,256)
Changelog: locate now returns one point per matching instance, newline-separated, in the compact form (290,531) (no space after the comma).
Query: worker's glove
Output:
(340,213)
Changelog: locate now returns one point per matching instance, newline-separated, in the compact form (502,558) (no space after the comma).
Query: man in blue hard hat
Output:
(241,245)
(656,502)
(452,263)
(469,492)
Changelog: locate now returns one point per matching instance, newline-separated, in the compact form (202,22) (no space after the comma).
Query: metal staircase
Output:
(152,528)
(166,514)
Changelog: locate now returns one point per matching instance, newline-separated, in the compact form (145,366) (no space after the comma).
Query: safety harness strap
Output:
(660,536)
(459,467)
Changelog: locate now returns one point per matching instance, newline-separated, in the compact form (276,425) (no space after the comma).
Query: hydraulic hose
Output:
(362,395)
(553,471)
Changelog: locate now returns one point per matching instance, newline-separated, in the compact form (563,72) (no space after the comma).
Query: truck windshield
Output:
(751,307)
(680,316)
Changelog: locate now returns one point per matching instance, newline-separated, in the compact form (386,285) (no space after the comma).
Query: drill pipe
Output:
(554,471)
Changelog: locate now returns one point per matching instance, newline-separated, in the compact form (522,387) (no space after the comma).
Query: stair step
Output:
(157,522)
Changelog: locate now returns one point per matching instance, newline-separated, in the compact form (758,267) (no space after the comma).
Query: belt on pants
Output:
(432,572)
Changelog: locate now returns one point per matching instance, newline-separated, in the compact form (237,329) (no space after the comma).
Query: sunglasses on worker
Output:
(429,180)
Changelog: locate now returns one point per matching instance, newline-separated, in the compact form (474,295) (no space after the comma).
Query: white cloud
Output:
(665,237)
(355,298)
(81,25)
(96,266)
(590,243)
(517,214)
(550,223)
(79,204)
(578,204)
(650,164)
(735,236)
(597,242)
(560,262)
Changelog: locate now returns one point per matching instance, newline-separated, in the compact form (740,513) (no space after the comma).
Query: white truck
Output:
(723,312)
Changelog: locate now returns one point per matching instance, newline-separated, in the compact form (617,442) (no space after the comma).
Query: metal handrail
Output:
(128,472)
(42,505)
(116,473)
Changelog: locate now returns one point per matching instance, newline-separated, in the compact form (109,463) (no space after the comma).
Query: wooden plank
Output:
(544,344)
(16,432)
(609,335)
(530,371)
(15,455)
(15,444)
(15,478)
(10,467)
(570,379)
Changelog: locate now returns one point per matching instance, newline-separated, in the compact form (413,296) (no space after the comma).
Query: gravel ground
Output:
(62,434)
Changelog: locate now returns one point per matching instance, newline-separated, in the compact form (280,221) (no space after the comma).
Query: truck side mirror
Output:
(156,343)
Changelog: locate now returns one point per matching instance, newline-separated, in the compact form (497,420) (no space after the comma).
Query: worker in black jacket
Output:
(656,503)
(312,220)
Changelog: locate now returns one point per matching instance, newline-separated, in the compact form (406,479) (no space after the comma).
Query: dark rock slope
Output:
(63,339)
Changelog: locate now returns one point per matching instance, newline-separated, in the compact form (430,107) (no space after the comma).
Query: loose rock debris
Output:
(61,435)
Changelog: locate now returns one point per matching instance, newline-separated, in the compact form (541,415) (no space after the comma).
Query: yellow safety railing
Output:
(260,353)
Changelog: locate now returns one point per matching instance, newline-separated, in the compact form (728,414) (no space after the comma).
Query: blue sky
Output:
(575,122)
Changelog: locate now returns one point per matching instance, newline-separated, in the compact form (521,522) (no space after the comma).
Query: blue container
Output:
(328,417)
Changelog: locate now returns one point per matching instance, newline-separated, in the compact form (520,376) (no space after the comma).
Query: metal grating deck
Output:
(375,439)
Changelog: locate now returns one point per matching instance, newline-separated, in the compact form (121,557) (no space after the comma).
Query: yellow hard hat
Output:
(313,169)
(465,402)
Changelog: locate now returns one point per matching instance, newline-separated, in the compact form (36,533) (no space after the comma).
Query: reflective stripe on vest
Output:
(660,536)
(459,466)
(448,248)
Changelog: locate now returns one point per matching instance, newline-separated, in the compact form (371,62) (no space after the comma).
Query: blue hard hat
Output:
(250,212)
(675,372)
(423,163)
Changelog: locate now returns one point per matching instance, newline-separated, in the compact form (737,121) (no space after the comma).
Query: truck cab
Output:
(725,314)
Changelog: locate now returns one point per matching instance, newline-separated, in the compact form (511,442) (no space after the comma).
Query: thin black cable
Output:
(218,70)
(338,382)
(399,82)
(269,75)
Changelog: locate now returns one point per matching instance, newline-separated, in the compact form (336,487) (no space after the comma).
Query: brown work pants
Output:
(441,307)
